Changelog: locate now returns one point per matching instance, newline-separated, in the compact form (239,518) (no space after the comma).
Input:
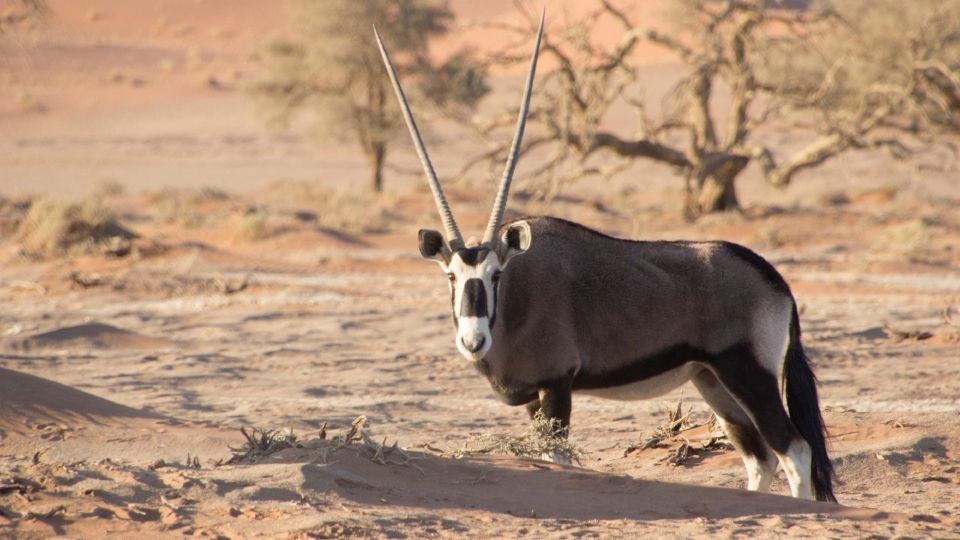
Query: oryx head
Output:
(474,271)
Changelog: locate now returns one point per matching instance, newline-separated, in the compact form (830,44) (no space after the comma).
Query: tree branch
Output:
(820,150)
(685,53)
(640,148)
(31,9)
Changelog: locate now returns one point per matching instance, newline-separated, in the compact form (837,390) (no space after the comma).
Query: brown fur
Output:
(582,301)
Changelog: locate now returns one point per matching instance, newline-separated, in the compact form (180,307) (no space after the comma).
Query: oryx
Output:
(583,312)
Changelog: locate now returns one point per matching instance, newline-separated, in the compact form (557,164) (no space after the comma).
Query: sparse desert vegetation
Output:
(52,227)
(172,271)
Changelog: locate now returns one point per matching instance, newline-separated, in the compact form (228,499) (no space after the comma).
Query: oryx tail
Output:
(800,385)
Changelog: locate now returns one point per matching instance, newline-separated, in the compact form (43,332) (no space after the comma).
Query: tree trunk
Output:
(712,188)
(375,159)
(716,195)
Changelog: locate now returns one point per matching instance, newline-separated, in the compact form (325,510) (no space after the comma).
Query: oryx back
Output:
(618,312)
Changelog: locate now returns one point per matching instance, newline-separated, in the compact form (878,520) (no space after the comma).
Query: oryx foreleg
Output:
(556,402)
(533,408)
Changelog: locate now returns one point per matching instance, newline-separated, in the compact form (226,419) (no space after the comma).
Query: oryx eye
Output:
(496,276)
(452,278)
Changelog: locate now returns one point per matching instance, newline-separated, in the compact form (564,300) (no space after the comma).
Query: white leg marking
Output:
(797,465)
(759,473)
(554,457)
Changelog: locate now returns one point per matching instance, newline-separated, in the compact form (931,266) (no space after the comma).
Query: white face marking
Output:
(474,338)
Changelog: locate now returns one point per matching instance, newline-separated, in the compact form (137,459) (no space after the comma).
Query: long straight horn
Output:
(453,234)
(500,204)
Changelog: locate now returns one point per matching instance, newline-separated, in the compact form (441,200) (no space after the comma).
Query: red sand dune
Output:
(29,403)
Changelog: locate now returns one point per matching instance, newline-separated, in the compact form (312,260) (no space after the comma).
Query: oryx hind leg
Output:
(758,458)
(757,391)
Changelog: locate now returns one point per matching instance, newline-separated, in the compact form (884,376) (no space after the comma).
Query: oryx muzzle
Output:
(584,312)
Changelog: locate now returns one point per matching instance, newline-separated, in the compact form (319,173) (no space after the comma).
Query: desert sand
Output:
(125,380)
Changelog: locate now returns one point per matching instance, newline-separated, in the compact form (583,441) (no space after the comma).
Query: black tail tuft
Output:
(804,407)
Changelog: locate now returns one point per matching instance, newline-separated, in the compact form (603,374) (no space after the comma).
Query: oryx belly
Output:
(647,388)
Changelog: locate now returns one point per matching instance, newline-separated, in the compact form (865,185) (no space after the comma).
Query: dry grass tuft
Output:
(770,237)
(334,209)
(106,187)
(261,443)
(876,196)
(253,225)
(672,431)
(53,227)
(834,198)
(189,209)
(543,437)
(906,240)
(277,208)
(27,102)
(897,335)
(12,212)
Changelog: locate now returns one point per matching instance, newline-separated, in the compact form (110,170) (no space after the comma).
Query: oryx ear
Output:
(433,246)
(515,240)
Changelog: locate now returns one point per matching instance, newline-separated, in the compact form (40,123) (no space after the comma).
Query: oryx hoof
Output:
(554,457)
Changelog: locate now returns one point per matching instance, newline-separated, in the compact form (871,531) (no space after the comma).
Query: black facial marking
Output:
(472,256)
(453,303)
(473,303)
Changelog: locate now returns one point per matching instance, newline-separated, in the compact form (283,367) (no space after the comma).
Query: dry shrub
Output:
(183,207)
(261,443)
(334,209)
(26,102)
(672,430)
(876,196)
(770,237)
(544,437)
(53,227)
(834,198)
(106,187)
(906,239)
(12,212)
(253,225)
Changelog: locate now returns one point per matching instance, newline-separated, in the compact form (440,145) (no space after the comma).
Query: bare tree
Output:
(15,12)
(833,69)
(333,65)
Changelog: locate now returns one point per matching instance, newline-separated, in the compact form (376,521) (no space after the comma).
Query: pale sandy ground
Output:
(156,361)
